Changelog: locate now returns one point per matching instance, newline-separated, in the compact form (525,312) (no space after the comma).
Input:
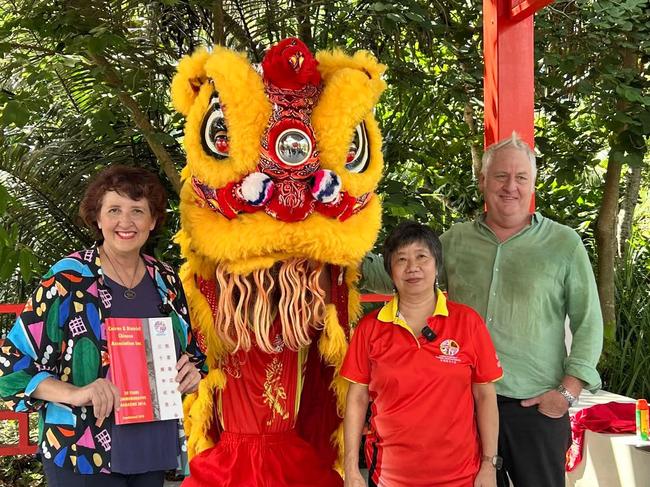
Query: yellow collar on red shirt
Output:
(390,312)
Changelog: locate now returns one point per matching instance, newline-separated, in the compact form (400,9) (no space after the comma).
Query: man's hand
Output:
(188,376)
(101,394)
(486,476)
(551,404)
(353,478)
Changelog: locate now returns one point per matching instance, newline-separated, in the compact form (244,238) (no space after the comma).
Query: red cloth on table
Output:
(612,417)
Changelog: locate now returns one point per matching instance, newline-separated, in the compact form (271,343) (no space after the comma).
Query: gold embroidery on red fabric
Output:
(233,363)
(274,394)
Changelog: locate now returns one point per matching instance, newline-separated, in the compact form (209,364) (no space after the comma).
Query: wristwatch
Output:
(570,398)
(496,461)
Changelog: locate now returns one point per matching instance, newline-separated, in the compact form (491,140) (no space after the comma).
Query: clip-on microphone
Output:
(428,333)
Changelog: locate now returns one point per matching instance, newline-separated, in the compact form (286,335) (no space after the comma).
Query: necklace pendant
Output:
(129,293)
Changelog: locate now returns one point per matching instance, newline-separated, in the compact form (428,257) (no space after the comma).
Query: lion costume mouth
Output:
(247,305)
(287,201)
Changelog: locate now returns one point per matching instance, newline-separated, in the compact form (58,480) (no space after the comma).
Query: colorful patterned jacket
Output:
(60,334)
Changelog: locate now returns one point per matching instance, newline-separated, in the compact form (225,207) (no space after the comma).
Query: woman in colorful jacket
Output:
(55,359)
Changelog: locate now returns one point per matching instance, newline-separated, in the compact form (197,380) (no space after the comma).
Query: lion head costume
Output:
(278,208)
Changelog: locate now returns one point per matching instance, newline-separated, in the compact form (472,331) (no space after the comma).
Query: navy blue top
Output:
(142,447)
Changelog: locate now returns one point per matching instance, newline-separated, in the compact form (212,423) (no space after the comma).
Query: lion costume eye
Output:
(358,156)
(214,133)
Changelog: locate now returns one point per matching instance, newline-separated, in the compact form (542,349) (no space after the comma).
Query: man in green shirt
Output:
(526,274)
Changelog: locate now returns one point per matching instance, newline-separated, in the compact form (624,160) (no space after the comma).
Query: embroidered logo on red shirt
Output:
(449,349)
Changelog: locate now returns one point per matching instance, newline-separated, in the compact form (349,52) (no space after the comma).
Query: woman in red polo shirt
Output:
(427,367)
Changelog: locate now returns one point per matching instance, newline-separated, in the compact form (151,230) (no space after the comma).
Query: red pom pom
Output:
(290,64)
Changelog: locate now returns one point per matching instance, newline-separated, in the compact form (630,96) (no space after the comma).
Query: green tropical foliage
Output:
(85,84)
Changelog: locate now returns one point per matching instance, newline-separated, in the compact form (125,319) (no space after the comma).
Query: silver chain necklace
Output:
(129,292)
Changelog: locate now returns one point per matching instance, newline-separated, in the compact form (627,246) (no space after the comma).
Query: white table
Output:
(610,460)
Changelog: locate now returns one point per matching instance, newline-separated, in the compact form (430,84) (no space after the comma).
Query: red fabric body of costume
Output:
(278,460)
(262,438)
(260,445)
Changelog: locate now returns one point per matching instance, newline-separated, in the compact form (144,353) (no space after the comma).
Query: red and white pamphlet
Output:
(143,367)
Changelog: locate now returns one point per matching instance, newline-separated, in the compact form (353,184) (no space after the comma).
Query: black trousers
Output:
(63,477)
(533,446)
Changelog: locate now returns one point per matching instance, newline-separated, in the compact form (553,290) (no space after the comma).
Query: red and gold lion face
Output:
(282,159)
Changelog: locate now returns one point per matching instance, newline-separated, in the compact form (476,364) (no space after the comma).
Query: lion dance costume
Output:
(278,207)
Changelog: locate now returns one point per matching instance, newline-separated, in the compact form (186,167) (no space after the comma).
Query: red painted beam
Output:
(376,298)
(11,308)
(23,447)
(365,298)
(509,73)
(520,9)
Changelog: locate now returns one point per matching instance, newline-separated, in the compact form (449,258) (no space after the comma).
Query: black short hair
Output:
(409,232)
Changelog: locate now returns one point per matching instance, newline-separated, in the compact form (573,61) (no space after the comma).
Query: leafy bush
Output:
(626,361)
(22,470)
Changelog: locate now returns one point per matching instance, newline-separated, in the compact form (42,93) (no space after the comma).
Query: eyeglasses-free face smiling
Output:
(413,269)
(125,223)
(508,188)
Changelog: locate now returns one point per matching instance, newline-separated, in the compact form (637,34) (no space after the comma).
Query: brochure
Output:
(143,367)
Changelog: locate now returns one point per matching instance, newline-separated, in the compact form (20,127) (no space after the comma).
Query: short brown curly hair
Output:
(134,182)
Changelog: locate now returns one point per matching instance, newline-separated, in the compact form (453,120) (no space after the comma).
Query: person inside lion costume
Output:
(278,208)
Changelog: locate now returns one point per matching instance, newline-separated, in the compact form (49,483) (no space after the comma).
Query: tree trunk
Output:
(141,120)
(475,149)
(218,23)
(606,245)
(304,26)
(606,224)
(630,199)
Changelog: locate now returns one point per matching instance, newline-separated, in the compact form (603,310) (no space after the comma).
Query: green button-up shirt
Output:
(525,288)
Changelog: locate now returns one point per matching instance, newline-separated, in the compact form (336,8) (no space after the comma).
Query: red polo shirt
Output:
(422,430)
